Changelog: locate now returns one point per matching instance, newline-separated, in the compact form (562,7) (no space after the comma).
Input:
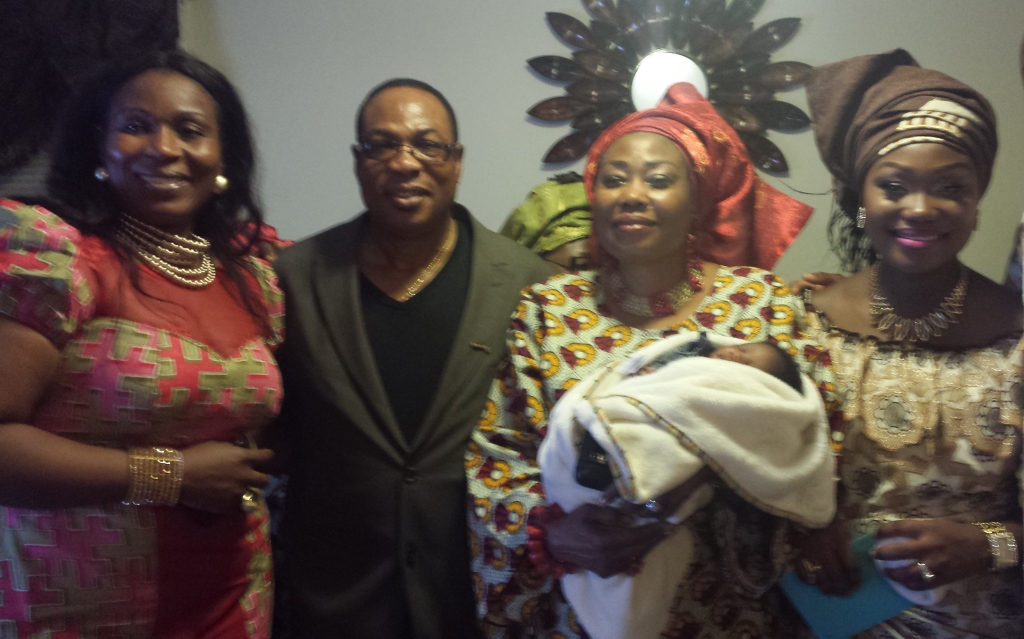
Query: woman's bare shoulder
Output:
(842,295)
(993,309)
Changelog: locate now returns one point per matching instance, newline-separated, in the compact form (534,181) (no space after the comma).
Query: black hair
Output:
(231,221)
(786,368)
(850,243)
(412,84)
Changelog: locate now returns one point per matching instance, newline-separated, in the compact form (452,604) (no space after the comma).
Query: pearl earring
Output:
(220,183)
(100,174)
(862,217)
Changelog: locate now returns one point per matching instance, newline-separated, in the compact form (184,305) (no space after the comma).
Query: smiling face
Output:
(405,194)
(162,150)
(921,206)
(643,207)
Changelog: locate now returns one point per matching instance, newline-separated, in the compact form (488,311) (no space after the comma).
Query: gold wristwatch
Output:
(1002,544)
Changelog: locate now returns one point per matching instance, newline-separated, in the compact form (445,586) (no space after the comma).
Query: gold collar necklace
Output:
(919,329)
(183,259)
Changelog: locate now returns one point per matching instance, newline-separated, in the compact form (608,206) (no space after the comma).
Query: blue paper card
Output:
(841,617)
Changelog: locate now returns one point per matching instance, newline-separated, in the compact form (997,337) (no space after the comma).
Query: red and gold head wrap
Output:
(745,221)
(866,107)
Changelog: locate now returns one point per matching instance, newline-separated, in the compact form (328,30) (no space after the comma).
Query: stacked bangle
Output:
(155,477)
(1001,543)
(536,545)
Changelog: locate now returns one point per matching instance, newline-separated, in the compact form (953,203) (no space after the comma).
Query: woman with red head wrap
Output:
(742,220)
(682,229)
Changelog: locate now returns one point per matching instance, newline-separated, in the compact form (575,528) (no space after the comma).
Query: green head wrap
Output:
(555,213)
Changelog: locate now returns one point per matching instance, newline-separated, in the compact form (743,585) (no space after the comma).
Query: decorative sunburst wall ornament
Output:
(719,45)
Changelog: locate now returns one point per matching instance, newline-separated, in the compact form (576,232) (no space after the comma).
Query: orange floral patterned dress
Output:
(561,333)
(171,367)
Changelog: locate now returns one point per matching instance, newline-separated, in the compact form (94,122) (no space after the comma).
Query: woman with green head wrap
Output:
(554,222)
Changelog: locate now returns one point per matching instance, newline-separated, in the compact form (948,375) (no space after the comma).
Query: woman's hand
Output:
(606,540)
(814,281)
(218,474)
(950,550)
(825,559)
(603,539)
(664,505)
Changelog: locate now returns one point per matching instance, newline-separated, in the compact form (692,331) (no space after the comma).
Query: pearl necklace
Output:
(920,329)
(421,279)
(661,304)
(183,259)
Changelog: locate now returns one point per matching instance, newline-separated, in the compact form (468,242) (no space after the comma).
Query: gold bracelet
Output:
(1001,543)
(155,476)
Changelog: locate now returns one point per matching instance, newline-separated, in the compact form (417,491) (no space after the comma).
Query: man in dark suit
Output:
(395,324)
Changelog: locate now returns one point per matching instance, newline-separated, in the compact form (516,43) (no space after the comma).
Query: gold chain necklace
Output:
(183,259)
(421,279)
(920,329)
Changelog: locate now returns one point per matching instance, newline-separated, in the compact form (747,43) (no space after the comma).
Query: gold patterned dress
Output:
(561,333)
(933,434)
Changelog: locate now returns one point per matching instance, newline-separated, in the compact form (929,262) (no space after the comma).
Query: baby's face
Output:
(763,357)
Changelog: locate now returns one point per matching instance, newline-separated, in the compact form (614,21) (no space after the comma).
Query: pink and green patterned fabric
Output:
(165,366)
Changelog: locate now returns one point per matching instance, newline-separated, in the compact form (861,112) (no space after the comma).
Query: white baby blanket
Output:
(767,441)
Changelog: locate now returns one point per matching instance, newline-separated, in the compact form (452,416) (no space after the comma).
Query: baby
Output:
(763,356)
(592,469)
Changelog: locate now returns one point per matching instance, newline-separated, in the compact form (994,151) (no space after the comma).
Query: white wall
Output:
(304,65)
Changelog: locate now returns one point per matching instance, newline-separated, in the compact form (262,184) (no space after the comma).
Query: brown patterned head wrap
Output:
(866,107)
(746,222)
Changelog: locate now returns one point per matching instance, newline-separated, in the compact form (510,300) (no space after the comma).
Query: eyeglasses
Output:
(422,150)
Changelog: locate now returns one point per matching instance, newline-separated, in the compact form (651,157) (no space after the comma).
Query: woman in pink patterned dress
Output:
(677,213)
(137,335)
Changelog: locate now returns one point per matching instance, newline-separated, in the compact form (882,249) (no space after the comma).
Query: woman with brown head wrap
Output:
(924,349)
(682,228)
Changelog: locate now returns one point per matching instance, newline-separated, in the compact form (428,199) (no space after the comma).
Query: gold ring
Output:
(926,575)
(810,570)
(249,502)
(653,507)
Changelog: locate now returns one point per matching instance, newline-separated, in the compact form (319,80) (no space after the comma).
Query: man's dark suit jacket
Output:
(374,523)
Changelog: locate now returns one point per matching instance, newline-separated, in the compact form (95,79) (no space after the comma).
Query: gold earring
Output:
(862,217)
(220,183)
(100,174)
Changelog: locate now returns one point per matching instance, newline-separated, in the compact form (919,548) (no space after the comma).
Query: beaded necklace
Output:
(662,304)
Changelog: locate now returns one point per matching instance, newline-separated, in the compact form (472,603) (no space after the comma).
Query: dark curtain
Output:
(49,47)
